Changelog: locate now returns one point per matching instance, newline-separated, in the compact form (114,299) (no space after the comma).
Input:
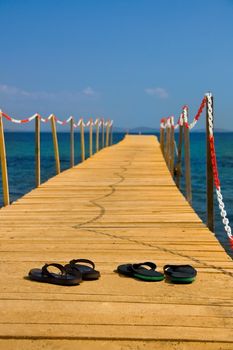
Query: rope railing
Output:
(106,130)
(168,145)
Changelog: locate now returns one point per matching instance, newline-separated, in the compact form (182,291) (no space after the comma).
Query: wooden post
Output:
(107,134)
(82,141)
(110,137)
(102,129)
(5,185)
(172,146)
(187,158)
(162,140)
(168,143)
(165,144)
(209,178)
(97,135)
(90,138)
(179,158)
(55,144)
(37,150)
(71,142)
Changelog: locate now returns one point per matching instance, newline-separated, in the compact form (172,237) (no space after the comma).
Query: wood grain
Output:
(119,206)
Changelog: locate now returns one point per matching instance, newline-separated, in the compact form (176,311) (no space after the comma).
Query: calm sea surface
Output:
(20,158)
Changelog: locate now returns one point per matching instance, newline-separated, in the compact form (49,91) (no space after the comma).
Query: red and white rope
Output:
(199,112)
(183,120)
(58,121)
(167,122)
(164,123)
(221,204)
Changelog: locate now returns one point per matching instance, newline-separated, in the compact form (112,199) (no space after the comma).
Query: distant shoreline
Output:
(133,131)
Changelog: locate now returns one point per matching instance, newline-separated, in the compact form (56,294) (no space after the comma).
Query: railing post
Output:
(55,144)
(209,176)
(179,158)
(187,157)
(162,139)
(110,137)
(5,185)
(71,142)
(102,130)
(90,138)
(82,140)
(37,150)
(97,136)
(107,134)
(168,143)
(172,140)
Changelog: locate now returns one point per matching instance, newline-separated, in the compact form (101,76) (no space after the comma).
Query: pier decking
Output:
(119,206)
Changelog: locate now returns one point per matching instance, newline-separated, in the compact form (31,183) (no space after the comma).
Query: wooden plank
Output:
(119,206)
(87,344)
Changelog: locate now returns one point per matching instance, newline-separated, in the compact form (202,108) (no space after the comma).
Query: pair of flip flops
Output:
(147,272)
(71,274)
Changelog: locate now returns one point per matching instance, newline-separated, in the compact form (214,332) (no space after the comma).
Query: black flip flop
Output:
(63,278)
(88,273)
(180,273)
(141,272)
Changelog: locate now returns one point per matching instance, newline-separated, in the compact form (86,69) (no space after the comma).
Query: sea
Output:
(21,165)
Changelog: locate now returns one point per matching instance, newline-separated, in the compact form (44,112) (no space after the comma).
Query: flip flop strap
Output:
(135,267)
(175,267)
(85,261)
(46,272)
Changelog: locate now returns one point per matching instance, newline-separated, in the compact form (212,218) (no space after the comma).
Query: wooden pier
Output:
(119,206)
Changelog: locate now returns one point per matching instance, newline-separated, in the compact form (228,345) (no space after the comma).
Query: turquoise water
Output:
(21,163)
(21,158)
(224,147)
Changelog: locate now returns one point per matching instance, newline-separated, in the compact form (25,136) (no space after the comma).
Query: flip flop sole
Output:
(125,270)
(91,276)
(147,278)
(182,280)
(88,274)
(54,281)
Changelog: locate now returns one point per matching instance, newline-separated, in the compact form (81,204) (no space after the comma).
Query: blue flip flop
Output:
(182,274)
(84,267)
(63,277)
(144,271)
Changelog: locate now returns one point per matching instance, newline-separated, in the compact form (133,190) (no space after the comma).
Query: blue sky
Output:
(133,61)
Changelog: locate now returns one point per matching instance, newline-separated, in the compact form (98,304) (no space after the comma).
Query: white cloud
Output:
(88,91)
(11,90)
(157,91)
(14,92)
